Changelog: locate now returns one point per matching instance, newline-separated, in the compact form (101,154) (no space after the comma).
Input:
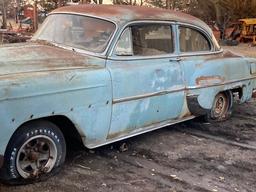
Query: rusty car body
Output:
(104,73)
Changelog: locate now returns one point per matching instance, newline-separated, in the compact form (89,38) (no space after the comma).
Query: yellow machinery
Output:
(248,30)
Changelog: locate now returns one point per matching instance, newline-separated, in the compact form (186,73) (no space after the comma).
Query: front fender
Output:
(84,96)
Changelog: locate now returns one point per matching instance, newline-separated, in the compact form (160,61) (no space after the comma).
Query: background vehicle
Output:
(248,30)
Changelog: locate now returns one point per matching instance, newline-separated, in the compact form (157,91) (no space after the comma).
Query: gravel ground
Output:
(243,49)
(173,159)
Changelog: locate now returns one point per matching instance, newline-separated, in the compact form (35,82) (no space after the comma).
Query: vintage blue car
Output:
(105,73)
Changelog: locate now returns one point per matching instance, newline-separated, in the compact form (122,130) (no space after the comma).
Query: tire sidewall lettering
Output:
(13,173)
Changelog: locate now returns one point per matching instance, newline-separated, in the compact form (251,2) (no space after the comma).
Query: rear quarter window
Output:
(192,40)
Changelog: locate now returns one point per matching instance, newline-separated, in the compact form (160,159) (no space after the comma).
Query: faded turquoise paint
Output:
(107,99)
(206,76)
(141,77)
(68,87)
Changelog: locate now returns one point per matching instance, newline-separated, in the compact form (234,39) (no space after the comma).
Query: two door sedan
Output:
(148,74)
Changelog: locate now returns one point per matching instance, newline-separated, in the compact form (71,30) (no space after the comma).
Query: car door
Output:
(147,79)
(198,58)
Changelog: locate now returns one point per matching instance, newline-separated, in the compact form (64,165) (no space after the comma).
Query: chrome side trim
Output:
(138,132)
(188,88)
(220,84)
(138,97)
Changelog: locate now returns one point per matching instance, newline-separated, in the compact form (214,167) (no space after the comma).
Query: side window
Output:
(152,39)
(146,40)
(124,44)
(192,40)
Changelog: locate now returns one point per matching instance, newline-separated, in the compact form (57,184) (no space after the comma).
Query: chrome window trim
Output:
(207,35)
(200,31)
(125,58)
(200,53)
(82,51)
(176,53)
(130,33)
(131,58)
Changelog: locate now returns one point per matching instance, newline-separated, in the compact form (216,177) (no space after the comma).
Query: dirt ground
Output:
(192,156)
(243,49)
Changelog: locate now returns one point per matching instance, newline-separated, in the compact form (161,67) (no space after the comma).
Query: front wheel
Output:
(36,151)
(222,107)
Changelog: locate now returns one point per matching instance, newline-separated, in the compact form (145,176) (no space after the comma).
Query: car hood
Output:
(38,57)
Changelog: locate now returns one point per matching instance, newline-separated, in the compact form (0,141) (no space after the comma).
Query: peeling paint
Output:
(109,99)
(209,80)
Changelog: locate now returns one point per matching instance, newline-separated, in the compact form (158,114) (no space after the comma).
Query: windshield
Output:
(77,31)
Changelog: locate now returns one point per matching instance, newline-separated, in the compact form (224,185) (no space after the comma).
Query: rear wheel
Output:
(222,107)
(36,151)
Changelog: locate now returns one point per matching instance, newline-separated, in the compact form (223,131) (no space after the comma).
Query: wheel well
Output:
(66,126)
(237,93)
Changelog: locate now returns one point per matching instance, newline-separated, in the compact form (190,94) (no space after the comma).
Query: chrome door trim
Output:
(188,88)
(143,96)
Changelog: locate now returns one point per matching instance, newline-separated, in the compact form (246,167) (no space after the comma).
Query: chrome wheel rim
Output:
(220,106)
(36,156)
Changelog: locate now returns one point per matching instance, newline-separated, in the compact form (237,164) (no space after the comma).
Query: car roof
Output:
(122,14)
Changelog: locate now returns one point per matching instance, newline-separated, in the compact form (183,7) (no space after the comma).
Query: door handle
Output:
(177,59)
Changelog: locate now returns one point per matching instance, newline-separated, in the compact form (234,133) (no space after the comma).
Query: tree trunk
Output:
(168,4)
(60,3)
(220,19)
(4,12)
(35,16)
(17,16)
